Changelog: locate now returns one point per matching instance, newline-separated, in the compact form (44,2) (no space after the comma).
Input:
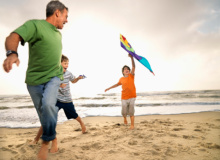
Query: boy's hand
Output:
(130,55)
(80,77)
(106,90)
(62,85)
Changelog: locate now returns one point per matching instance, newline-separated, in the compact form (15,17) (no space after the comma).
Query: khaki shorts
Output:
(128,107)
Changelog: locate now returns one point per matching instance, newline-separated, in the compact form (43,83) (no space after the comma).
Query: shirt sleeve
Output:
(119,82)
(72,77)
(131,75)
(27,31)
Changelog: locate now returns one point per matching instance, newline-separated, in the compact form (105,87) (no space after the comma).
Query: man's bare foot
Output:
(42,155)
(83,128)
(131,127)
(54,147)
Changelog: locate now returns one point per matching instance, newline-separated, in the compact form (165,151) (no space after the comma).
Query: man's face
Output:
(62,19)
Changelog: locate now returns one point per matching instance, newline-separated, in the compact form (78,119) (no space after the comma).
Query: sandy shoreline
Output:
(187,136)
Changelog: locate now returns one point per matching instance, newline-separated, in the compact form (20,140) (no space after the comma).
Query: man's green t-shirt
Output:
(45,50)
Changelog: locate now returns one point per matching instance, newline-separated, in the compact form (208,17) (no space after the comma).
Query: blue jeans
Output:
(44,97)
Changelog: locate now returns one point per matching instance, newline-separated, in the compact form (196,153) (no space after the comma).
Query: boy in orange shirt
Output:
(128,95)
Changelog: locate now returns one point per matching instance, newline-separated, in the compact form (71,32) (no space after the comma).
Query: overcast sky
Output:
(180,39)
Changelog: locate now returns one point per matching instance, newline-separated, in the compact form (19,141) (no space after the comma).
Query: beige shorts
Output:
(128,107)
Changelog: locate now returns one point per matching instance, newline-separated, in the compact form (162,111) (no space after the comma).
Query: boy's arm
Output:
(77,79)
(114,86)
(133,64)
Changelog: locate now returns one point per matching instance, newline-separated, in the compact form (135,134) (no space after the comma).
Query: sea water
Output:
(17,111)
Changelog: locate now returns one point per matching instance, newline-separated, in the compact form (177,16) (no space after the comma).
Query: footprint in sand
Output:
(19,145)
(117,125)
(96,146)
(210,145)
(93,128)
(8,149)
(132,142)
(67,139)
(189,137)
(78,129)
(61,150)
(171,151)
(177,129)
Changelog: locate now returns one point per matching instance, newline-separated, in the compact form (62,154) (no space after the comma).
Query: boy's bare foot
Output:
(81,124)
(54,147)
(125,121)
(83,128)
(131,127)
(42,155)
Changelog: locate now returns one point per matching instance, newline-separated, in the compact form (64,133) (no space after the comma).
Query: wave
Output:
(96,105)
(19,107)
(150,104)
(177,104)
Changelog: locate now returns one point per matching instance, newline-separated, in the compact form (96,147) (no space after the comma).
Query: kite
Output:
(130,50)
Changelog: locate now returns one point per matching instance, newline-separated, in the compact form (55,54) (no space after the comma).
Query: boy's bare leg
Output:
(132,122)
(54,147)
(42,155)
(82,124)
(37,138)
(125,120)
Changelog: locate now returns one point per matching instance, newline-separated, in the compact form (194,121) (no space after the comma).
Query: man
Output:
(44,71)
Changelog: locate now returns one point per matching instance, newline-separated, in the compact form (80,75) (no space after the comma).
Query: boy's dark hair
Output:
(53,5)
(125,66)
(64,58)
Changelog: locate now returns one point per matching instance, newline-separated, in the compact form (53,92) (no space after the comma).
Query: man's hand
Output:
(12,58)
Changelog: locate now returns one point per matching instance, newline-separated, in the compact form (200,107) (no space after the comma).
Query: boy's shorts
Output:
(68,108)
(128,107)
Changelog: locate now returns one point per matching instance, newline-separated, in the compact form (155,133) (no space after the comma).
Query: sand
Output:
(183,137)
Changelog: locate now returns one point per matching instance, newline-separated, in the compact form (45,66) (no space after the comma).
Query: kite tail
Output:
(153,73)
(145,62)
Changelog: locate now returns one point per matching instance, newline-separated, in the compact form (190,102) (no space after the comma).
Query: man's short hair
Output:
(53,5)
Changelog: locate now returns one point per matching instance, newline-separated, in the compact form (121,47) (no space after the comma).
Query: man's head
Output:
(58,11)
(64,62)
(126,70)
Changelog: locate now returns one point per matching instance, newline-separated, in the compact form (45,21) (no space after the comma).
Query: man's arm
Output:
(11,43)
(133,64)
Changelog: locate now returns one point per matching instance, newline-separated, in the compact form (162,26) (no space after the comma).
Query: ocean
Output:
(17,111)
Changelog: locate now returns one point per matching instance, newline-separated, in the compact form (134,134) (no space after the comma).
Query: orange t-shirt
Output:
(128,87)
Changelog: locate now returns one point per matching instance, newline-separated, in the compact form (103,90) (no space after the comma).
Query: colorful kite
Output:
(130,50)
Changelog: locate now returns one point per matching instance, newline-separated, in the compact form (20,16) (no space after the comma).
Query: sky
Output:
(180,39)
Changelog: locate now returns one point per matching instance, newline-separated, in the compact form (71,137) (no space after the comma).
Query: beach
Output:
(170,137)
